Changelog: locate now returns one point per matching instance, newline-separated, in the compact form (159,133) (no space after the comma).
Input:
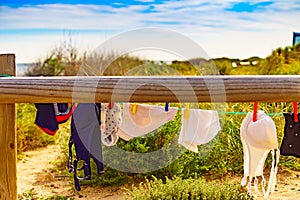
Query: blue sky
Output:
(230,28)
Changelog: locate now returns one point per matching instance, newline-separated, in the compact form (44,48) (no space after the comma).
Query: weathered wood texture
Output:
(150,89)
(8,147)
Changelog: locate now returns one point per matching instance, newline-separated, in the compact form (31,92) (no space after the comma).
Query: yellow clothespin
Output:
(134,108)
(186,113)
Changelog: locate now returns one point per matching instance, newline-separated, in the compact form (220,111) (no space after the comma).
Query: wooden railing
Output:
(150,89)
(123,89)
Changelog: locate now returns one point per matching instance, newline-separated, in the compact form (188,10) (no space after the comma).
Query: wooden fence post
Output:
(8,146)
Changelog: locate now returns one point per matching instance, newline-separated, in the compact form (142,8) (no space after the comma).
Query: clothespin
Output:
(167,106)
(186,113)
(295,106)
(110,105)
(255,111)
(134,108)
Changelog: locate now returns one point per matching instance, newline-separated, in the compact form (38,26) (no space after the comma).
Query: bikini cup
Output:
(138,120)
(262,133)
(141,116)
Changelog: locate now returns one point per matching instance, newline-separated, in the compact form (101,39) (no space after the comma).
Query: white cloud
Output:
(145,1)
(184,13)
(221,32)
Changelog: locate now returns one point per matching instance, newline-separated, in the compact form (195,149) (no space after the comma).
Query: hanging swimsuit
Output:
(86,137)
(49,116)
(140,119)
(111,120)
(290,145)
(258,139)
(198,127)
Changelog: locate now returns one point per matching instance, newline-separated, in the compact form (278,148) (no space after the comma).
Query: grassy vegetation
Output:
(32,195)
(184,189)
(29,136)
(225,156)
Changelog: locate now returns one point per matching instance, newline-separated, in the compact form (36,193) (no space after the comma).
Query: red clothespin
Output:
(255,112)
(110,105)
(295,106)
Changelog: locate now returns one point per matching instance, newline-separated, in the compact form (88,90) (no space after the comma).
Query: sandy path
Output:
(35,173)
(287,187)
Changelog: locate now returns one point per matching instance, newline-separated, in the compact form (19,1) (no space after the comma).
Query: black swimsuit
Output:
(290,145)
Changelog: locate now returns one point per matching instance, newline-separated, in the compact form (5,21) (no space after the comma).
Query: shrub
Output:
(217,159)
(192,188)
(29,136)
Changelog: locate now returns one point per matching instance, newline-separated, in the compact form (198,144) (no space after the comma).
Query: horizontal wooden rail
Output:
(150,89)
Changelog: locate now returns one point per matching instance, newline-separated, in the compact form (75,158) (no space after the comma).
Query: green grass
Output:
(29,136)
(223,158)
(216,159)
(31,195)
(186,189)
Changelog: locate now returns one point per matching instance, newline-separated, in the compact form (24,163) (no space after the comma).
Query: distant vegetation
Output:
(66,60)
